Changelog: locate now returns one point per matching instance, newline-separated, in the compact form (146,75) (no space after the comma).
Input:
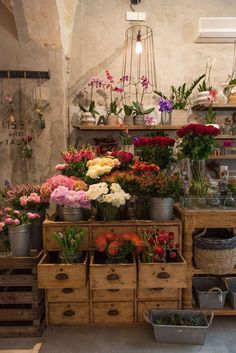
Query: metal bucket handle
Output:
(211,314)
(216,289)
(201,234)
(146,317)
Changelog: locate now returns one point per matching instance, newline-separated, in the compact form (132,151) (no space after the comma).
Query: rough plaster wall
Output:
(34,52)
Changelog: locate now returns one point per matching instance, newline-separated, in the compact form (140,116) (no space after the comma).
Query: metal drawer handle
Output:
(155,289)
(69,313)
(113,290)
(113,312)
(61,276)
(67,290)
(163,275)
(113,277)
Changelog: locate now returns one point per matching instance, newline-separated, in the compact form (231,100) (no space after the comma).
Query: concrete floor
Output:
(221,338)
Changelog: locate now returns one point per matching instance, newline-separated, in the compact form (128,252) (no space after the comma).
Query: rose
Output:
(16,222)
(8,221)
(2,224)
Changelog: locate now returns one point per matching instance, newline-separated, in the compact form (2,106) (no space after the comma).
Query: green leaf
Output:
(232,82)
(148,111)
(83,108)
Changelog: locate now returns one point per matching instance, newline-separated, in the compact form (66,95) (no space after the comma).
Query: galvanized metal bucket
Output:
(139,120)
(72,214)
(179,334)
(19,237)
(161,209)
(231,285)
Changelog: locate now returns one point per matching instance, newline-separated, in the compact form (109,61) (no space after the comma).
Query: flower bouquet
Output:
(100,166)
(108,199)
(118,247)
(70,243)
(125,158)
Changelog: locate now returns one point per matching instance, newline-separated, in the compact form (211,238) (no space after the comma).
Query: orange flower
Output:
(113,248)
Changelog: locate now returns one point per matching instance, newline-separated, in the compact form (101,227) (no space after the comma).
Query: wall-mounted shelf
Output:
(131,128)
(227,106)
(221,157)
(43,75)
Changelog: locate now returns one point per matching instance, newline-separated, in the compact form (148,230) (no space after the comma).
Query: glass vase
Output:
(166,118)
(107,212)
(197,169)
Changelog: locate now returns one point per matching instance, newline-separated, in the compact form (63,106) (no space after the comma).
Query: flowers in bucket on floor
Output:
(76,161)
(13,217)
(118,246)
(70,241)
(52,183)
(125,158)
(157,150)
(71,198)
(158,246)
(100,166)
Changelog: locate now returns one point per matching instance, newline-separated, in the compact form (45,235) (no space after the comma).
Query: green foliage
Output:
(128,109)
(210,117)
(138,109)
(114,108)
(197,147)
(90,109)
(203,87)
(159,155)
(177,320)
(179,96)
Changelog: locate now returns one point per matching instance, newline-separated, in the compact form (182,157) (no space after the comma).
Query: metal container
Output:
(37,231)
(179,334)
(231,286)
(210,292)
(129,120)
(72,214)
(19,237)
(161,209)
(139,120)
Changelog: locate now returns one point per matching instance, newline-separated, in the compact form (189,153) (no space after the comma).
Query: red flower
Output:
(113,248)
(198,129)
(173,255)
(159,250)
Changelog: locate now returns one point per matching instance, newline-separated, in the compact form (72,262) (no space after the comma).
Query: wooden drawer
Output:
(51,245)
(144,306)
(175,228)
(106,228)
(163,275)
(113,313)
(112,276)
(55,275)
(104,295)
(68,314)
(158,293)
(68,295)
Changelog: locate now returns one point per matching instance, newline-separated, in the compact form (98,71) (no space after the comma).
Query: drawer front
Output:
(68,295)
(51,275)
(113,313)
(114,276)
(51,245)
(145,306)
(68,314)
(169,228)
(103,295)
(158,293)
(100,230)
(162,275)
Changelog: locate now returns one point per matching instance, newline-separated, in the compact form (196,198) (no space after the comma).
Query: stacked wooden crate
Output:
(21,302)
(108,293)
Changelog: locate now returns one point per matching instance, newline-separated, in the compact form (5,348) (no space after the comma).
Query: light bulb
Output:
(138,47)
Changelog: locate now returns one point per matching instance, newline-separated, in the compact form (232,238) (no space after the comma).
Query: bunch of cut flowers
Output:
(100,166)
(13,217)
(158,246)
(71,198)
(125,158)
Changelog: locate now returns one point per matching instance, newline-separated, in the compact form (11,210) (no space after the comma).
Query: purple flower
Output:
(165,105)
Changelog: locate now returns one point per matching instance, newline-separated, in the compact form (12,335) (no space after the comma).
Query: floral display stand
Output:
(111,293)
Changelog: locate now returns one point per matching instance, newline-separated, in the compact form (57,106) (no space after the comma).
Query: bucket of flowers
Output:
(160,263)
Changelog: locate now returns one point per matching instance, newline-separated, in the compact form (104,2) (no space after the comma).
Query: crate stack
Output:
(22,304)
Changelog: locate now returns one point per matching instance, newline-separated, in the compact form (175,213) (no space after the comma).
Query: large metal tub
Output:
(179,334)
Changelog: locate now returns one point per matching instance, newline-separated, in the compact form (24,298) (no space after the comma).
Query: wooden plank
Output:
(20,297)
(68,313)
(68,295)
(147,305)
(21,262)
(158,293)
(109,295)
(19,314)
(22,331)
(115,312)
(18,280)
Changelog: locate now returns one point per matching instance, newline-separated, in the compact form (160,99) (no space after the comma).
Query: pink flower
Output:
(31,215)
(33,197)
(16,222)
(118,89)
(58,195)
(16,212)
(36,215)
(61,166)
(8,209)
(8,99)
(2,224)
(8,221)
(23,200)
(149,120)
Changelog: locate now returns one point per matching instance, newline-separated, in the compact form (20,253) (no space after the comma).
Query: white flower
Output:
(97,190)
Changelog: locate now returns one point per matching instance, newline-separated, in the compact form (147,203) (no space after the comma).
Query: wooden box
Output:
(158,293)
(163,275)
(50,227)
(68,313)
(147,305)
(68,295)
(109,295)
(111,276)
(56,275)
(113,313)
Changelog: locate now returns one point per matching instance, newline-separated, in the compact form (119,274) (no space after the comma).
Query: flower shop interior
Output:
(118,176)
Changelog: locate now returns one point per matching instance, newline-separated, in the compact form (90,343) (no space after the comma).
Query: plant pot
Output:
(179,116)
(113,120)
(161,209)
(141,207)
(71,214)
(37,231)
(166,118)
(87,118)
(127,148)
(203,97)
(129,120)
(107,212)
(139,120)
(20,239)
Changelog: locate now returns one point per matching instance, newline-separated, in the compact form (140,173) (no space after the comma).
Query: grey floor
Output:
(221,338)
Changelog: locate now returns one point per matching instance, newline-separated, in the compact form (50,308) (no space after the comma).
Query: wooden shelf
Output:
(222,157)
(225,137)
(123,127)
(227,106)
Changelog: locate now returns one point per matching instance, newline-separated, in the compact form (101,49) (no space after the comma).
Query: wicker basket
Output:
(215,251)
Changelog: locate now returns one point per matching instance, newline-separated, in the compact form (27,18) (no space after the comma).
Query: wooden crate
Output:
(111,276)
(68,313)
(110,295)
(56,275)
(163,275)
(158,293)
(22,307)
(147,305)
(115,227)
(113,313)
(69,295)
(50,227)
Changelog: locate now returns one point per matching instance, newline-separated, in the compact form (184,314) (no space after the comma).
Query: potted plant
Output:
(127,142)
(165,108)
(69,242)
(139,113)
(210,117)
(113,109)
(179,97)
(107,199)
(128,118)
